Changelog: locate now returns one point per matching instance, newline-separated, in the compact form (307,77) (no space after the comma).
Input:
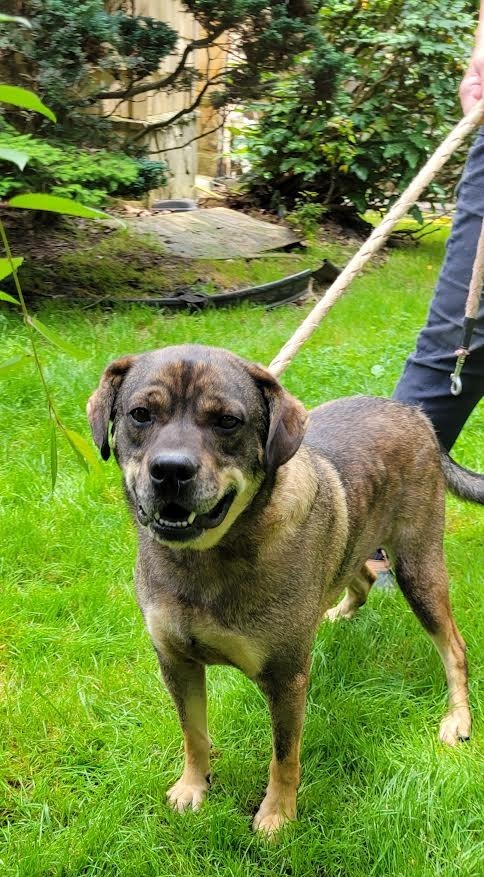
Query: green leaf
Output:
(20,97)
(77,454)
(4,296)
(6,266)
(82,450)
(412,156)
(56,339)
(53,452)
(417,214)
(13,155)
(54,204)
(12,365)
(16,19)
(360,171)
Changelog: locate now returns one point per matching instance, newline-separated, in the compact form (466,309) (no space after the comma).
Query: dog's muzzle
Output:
(175,522)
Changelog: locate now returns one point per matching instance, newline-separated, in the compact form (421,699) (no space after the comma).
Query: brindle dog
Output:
(252,517)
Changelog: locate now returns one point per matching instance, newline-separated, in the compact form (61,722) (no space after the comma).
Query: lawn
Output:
(89,737)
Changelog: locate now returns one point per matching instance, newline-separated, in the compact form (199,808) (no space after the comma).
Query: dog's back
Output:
(360,429)
(355,432)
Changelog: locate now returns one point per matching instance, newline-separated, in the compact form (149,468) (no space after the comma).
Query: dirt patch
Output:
(99,263)
(78,260)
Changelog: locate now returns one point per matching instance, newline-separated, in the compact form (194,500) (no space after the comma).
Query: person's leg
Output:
(426,377)
(425,380)
(381,568)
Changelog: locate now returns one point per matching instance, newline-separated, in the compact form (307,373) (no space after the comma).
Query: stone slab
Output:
(214,233)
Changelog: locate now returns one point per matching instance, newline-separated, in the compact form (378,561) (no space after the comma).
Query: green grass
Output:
(89,736)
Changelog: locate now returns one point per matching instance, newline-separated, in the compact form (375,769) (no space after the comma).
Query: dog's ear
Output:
(100,406)
(287,418)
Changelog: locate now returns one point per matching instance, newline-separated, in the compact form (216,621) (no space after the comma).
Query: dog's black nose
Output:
(172,469)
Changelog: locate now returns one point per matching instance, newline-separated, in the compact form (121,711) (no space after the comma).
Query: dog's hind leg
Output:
(356,595)
(424,583)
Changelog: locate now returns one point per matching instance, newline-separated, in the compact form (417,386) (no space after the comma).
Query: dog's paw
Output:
(455,726)
(338,612)
(272,816)
(188,792)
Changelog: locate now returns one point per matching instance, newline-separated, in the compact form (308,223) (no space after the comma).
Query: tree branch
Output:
(188,142)
(157,84)
(167,123)
(368,86)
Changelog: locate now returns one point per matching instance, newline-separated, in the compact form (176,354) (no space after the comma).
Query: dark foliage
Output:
(74,49)
(78,55)
(348,129)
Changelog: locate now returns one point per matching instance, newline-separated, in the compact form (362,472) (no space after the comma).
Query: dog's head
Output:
(196,430)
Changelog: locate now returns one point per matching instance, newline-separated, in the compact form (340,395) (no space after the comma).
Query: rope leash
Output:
(471,311)
(376,240)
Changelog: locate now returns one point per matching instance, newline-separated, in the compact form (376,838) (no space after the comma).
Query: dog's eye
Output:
(140,415)
(227,423)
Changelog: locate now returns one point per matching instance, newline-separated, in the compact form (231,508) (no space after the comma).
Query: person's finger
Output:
(472,86)
(471,90)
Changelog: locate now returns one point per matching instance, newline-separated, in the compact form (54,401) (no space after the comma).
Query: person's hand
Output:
(472,86)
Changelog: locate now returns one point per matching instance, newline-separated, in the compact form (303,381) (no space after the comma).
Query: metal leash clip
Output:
(455,379)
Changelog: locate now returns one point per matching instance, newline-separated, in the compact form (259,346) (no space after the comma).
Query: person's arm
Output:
(472,86)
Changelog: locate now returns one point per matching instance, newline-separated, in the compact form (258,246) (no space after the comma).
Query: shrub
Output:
(70,49)
(363,111)
(79,55)
(86,175)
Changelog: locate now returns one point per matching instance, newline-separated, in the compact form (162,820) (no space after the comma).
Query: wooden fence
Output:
(175,145)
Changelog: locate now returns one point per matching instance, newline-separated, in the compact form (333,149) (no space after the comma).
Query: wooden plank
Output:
(215,233)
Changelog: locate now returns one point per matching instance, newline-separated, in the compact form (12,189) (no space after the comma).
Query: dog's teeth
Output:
(164,523)
(191,518)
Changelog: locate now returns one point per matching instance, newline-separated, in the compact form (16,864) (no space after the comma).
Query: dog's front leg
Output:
(287,700)
(185,681)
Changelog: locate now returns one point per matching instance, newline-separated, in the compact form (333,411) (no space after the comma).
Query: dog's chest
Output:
(195,633)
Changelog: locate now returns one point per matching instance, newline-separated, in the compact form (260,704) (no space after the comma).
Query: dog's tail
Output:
(463,482)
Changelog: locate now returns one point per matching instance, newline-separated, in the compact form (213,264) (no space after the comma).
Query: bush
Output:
(72,48)
(76,56)
(365,109)
(89,176)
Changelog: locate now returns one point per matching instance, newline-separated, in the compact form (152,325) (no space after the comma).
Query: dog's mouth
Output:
(175,523)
